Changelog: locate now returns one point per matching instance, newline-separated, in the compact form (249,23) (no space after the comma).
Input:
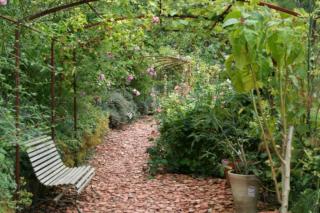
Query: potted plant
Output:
(244,183)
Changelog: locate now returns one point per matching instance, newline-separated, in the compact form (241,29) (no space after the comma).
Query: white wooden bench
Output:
(49,168)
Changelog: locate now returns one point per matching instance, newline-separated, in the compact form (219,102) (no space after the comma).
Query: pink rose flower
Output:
(151,71)
(155,20)
(130,78)
(3,2)
(225,162)
(102,77)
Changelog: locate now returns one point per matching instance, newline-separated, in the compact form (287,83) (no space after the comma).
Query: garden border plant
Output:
(268,61)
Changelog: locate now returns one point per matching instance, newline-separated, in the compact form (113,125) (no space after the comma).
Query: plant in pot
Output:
(244,183)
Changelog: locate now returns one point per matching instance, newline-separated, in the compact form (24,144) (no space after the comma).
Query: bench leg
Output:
(58,197)
(76,204)
(38,203)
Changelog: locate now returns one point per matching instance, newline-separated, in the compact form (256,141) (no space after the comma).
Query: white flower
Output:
(136,92)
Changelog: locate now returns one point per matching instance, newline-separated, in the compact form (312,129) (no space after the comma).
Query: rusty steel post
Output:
(17,102)
(52,89)
(75,113)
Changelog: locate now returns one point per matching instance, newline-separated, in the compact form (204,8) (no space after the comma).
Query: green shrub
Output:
(305,187)
(91,129)
(121,107)
(7,184)
(193,130)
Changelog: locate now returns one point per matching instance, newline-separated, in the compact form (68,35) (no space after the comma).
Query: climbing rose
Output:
(151,71)
(3,2)
(102,77)
(130,78)
(136,92)
(155,20)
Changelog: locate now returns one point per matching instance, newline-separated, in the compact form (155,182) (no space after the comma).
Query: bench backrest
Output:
(44,157)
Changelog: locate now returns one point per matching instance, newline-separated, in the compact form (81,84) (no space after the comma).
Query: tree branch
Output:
(281,9)
(56,9)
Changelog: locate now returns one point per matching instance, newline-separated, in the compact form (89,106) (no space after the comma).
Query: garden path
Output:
(123,185)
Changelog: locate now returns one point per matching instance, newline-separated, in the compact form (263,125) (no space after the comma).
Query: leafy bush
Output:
(7,183)
(305,186)
(91,129)
(121,107)
(194,129)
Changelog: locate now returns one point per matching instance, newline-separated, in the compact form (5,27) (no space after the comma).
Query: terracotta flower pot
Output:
(245,190)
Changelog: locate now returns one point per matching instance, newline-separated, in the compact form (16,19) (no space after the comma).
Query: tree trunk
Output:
(286,174)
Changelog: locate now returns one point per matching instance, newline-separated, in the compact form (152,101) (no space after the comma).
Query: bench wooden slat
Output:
(75,178)
(44,159)
(84,179)
(61,179)
(71,177)
(35,139)
(39,151)
(85,183)
(49,179)
(39,146)
(68,178)
(51,170)
(61,175)
(44,170)
(37,157)
(41,140)
(43,165)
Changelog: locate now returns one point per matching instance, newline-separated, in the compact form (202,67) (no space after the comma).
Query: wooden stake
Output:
(52,89)
(17,103)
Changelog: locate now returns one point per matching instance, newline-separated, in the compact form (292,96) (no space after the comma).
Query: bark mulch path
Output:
(122,183)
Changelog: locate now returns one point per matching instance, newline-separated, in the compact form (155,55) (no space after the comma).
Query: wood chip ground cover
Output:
(122,184)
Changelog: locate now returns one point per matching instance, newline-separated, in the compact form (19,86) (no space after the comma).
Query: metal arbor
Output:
(23,23)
